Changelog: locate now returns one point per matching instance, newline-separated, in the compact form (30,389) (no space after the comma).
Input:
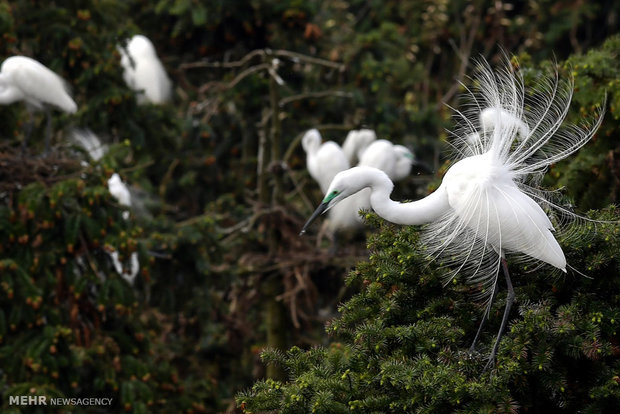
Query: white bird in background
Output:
(356,143)
(489,117)
(488,205)
(24,79)
(394,160)
(91,143)
(119,190)
(128,274)
(324,160)
(143,71)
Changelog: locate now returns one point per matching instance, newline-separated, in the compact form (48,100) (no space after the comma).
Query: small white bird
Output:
(356,143)
(488,205)
(492,116)
(24,79)
(323,160)
(119,190)
(88,140)
(134,266)
(394,160)
(143,71)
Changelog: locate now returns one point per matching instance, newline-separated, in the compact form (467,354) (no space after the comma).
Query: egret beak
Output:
(319,210)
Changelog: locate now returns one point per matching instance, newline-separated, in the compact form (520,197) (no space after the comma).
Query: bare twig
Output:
(264,52)
(321,94)
(227,65)
(244,74)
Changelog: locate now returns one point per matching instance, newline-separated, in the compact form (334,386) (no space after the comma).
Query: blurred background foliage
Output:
(218,178)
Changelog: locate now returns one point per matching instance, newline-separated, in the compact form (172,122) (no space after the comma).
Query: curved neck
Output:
(417,212)
(8,92)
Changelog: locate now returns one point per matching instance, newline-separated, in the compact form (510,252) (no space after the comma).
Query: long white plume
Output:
(522,131)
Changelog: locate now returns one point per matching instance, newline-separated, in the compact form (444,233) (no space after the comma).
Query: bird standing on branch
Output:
(143,71)
(489,204)
(24,79)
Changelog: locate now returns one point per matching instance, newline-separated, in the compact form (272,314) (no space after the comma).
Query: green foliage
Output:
(401,344)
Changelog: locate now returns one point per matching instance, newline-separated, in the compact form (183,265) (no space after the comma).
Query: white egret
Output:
(143,71)
(356,143)
(488,205)
(128,273)
(91,143)
(324,160)
(25,79)
(119,190)
(394,160)
(489,117)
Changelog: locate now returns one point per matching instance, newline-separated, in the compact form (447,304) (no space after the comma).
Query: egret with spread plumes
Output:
(489,205)
(25,79)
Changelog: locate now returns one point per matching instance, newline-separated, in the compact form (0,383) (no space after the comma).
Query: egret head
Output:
(345,184)
(311,140)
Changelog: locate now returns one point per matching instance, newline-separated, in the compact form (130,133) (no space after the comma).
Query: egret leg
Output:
(48,130)
(509,300)
(27,131)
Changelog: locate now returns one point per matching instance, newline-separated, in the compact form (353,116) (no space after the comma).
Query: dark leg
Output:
(485,316)
(27,131)
(48,130)
(509,300)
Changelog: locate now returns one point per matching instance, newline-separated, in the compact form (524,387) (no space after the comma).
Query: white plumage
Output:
(323,160)
(488,205)
(88,140)
(394,160)
(119,190)
(356,143)
(24,79)
(143,71)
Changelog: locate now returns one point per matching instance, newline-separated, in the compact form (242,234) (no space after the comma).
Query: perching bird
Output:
(24,79)
(91,143)
(356,143)
(128,273)
(323,160)
(395,160)
(488,205)
(143,71)
(489,117)
(119,190)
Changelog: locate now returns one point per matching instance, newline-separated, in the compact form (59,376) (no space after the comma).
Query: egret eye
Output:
(330,196)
